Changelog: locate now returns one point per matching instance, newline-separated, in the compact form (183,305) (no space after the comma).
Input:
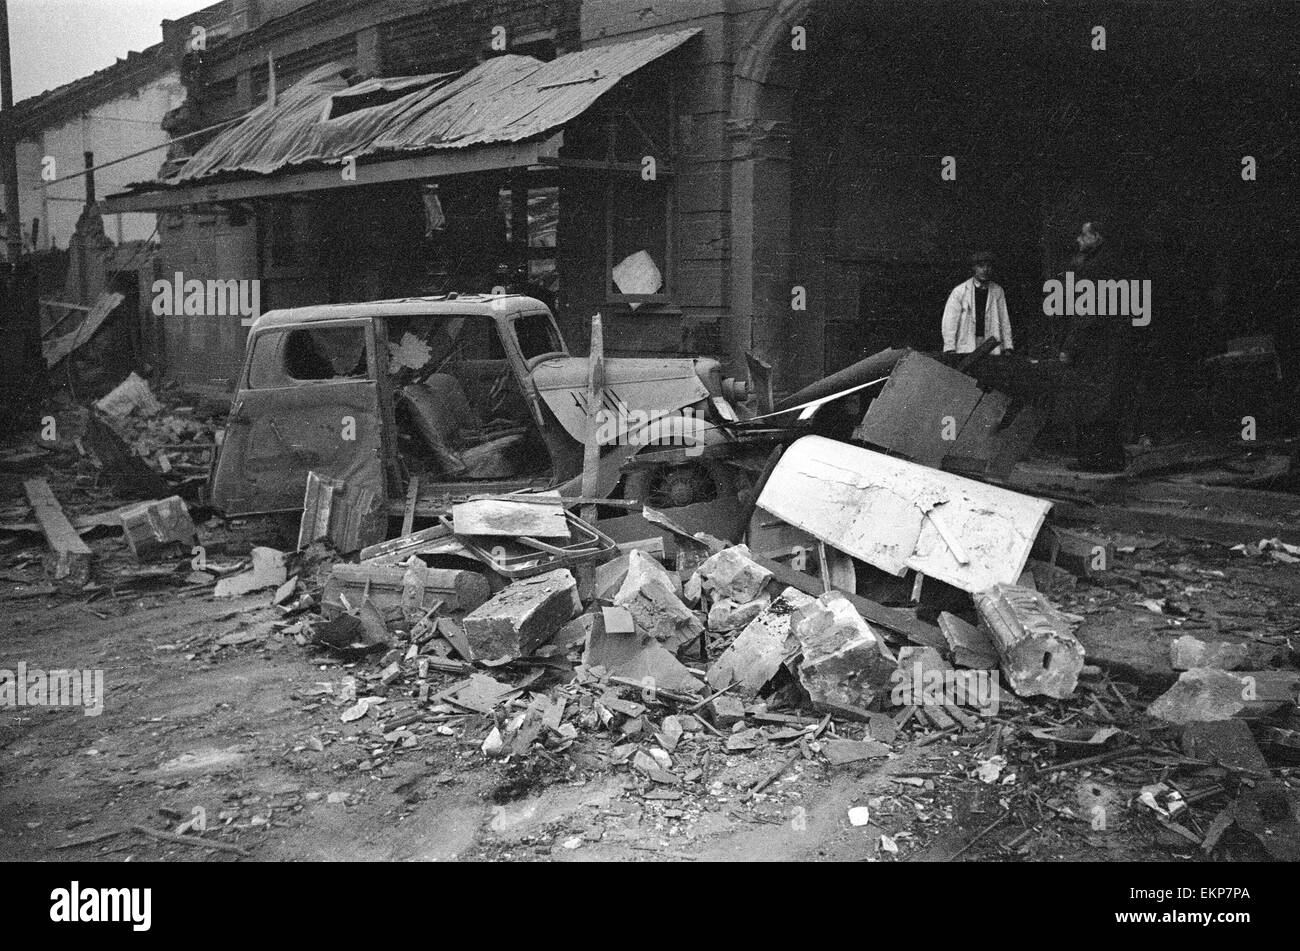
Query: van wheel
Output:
(666,487)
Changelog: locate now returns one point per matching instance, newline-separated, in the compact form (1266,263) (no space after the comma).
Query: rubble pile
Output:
(1040,681)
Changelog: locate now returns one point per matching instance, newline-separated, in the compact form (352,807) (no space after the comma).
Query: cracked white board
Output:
(897,515)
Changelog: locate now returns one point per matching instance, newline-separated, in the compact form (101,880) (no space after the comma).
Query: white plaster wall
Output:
(111,130)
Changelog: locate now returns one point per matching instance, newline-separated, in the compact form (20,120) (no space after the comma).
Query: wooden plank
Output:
(490,157)
(412,496)
(922,402)
(70,558)
(595,389)
(591,445)
(56,349)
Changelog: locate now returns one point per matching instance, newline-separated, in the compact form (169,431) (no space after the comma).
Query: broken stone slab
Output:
(726,711)
(522,617)
(641,565)
(693,589)
(636,656)
(1206,694)
(727,615)
(844,663)
(732,573)
(575,632)
(1035,641)
(841,752)
(756,655)
(650,593)
(1188,652)
(970,646)
(610,576)
(1226,742)
(150,528)
(268,571)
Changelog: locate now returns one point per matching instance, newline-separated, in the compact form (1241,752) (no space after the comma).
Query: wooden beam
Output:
(444,162)
(70,558)
(591,448)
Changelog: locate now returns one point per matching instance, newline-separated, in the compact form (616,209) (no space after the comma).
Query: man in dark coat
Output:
(1096,349)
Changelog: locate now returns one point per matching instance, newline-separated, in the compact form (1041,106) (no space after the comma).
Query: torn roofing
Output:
(504,99)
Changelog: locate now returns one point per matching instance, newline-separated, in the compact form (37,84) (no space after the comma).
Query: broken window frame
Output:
(619,116)
(285,381)
(665,293)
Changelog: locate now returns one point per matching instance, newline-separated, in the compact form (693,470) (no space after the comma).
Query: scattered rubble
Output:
(701,671)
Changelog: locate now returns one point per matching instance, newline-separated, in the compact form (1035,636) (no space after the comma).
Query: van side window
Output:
(282,358)
(536,335)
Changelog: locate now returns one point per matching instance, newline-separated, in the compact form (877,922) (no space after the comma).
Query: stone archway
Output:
(759,127)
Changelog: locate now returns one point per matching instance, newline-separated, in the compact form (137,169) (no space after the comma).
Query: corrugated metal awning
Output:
(504,112)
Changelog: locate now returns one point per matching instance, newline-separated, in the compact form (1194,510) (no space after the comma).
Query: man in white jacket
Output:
(967,302)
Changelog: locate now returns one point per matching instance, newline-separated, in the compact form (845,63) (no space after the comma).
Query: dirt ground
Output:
(247,734)
(213,716)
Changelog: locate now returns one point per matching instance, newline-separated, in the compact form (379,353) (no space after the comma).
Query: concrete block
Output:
(756,655)
(731,573)
(727,615)
(650,594)
(843,663)
(524,616)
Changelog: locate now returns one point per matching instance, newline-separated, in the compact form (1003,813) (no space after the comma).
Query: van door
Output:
(308,402)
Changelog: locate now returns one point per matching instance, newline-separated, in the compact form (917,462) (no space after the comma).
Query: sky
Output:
(56,41)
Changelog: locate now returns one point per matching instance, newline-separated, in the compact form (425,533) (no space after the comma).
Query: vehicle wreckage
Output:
(470,394)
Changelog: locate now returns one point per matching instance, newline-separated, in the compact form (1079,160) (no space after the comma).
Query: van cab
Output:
(469,394)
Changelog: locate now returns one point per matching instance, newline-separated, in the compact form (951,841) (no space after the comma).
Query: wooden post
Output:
(408,515)
(591,449)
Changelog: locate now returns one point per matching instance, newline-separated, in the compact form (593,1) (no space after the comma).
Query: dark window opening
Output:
(537,335)
(325,354)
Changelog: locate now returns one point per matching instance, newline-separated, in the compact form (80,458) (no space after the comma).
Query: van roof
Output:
(484,305)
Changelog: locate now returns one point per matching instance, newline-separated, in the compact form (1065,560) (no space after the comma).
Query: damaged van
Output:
(466,394)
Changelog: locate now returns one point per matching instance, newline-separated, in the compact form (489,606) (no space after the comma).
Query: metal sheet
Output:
(897,515)
(503,99)
(654,387)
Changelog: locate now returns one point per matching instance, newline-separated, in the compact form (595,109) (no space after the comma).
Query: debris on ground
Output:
(1114,681)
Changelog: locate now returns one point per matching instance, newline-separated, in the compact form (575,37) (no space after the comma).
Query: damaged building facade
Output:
(628,316)
(791,171)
